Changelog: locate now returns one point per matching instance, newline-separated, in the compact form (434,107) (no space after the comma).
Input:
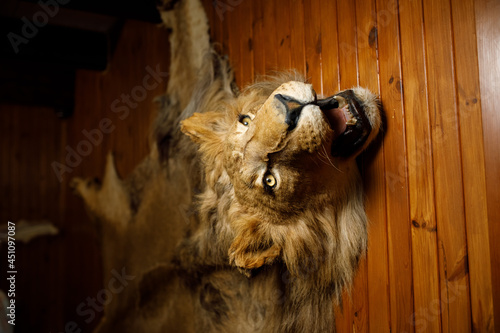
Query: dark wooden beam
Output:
(142,10)
(53,44)
(60,16)
(26,83)
(45,41)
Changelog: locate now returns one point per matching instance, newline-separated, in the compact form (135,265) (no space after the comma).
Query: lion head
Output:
(280,168)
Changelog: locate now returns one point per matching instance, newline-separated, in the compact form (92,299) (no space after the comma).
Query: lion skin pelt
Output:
(169,246)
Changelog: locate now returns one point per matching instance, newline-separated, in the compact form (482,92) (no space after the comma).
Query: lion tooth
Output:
(341,100)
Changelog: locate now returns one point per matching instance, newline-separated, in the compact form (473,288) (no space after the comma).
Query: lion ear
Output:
(203,127)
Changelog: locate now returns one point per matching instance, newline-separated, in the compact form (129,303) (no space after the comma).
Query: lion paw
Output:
(246,260)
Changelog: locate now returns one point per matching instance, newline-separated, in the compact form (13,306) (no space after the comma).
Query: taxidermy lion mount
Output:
(247,216)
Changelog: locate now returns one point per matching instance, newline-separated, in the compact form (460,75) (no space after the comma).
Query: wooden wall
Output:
(30,141)
(431,181)
(57,274)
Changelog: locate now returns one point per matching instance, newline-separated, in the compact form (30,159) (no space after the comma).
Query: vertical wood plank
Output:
(450,212)
(234,32)
(49,249)
(359,300)
(141,45)
(354,308)
(269,40)
(360,286)
(488,30)
(258,37)
(16,176)
(29,143)
(399,240)
(378,302)
(312,35)
(297,39)
(283,35)
(246,43)
(7,140)
(379,306)
(330,49)
(79,231)
(346,11)
(420,168)
(471,133)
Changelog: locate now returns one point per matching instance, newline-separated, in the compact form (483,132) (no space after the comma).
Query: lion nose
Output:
(328,103)
(293,110)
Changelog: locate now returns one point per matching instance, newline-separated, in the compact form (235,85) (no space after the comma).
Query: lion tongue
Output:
(336,119)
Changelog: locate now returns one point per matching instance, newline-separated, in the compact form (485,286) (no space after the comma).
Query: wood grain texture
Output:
(269,26)
(354,310)
(399,241)
(378,307)
(472,149)
(233,27)
(330,41)
(450,214)
(488,32)
(344,315)
(258,35)
(283,41)
(313,44)
(58,274)
(420,167)
(297,39)
(29,141)
(124,95)
(245,13)
(348,50)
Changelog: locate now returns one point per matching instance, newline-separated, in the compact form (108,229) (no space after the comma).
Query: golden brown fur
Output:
(306,237)
(212,245)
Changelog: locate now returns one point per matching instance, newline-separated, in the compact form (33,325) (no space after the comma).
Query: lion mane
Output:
(305,254)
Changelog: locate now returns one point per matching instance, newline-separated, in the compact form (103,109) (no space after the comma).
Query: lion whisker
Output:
(330,162)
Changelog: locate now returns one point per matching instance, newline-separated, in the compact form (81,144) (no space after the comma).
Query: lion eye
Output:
(245,120)
(269,180)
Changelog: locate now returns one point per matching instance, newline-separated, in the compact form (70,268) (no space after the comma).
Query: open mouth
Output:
(348,120)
